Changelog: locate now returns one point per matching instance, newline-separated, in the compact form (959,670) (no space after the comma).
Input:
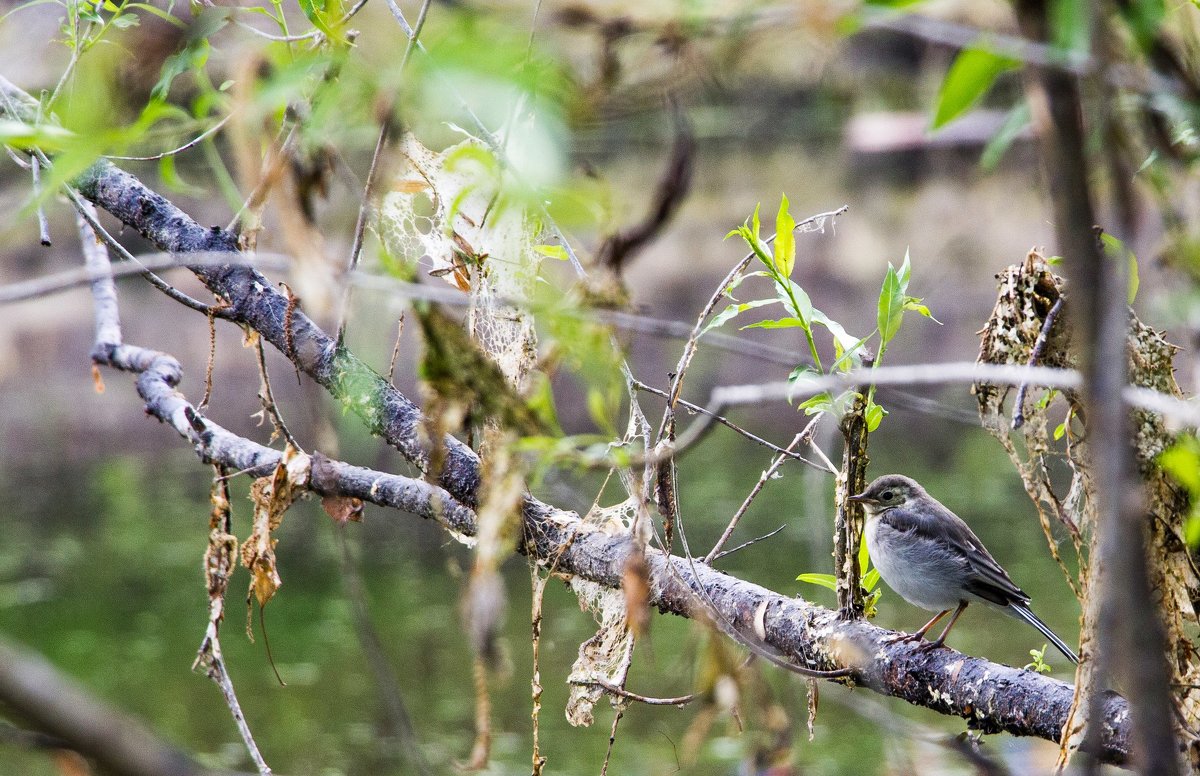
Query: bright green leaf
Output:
(870,579)
(797,300)
(914,304)
(317,12)
(874,416)
(891,307)
(1182,461)
(1191,530)
(785,239)
(824,580)
(735,309)
(969,78)
(822,402)
(1134,280)
(782,323)
(552,251)
(845,342)
(45,136)
(905,272)
(802,371)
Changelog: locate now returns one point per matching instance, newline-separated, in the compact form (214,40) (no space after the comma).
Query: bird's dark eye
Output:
(886,495)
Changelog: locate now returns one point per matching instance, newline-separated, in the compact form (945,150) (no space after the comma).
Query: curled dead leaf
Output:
(272,495)
(343,509)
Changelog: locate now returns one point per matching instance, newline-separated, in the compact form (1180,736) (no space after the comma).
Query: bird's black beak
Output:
(861,498)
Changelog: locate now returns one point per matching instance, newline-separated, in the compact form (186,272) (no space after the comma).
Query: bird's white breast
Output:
(918,569)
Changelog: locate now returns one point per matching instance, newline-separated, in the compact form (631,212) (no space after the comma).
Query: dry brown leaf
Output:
(343,509)
(272,495)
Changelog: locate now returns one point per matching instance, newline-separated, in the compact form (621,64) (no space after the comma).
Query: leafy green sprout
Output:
(869,581)
(778,260)
(1182,462)
(1039,663)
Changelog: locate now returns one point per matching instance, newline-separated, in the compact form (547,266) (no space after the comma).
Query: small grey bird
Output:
(928,555)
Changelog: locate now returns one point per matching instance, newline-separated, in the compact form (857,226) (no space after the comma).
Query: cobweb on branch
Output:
(449,211)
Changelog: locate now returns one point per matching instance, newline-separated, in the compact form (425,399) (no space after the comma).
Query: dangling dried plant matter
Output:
(272,495)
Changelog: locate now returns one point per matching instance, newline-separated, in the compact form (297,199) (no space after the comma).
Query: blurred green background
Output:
(105,513)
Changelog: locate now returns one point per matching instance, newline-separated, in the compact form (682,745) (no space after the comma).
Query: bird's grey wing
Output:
(986,578)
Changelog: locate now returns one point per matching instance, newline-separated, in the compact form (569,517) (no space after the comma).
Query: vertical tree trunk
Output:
(848,521)
(1131,644)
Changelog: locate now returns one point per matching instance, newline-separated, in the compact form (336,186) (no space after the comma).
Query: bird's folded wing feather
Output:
(987,579)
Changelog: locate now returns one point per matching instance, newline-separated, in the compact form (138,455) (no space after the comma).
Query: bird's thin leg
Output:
(919,635)
(929,625)
(962,606)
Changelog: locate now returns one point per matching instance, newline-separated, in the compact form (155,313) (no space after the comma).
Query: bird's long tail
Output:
(1024,613)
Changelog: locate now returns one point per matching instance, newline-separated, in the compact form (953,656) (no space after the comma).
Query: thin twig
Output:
(414,34)
(43,224)
(638,384)
(538,760)
(353,11)
(360,226)
(189,144)
(24,165)
(621,692)
(310,35)
(395,349)
(758,486)
(208,366)
(1035,355)
(269,408)
(612,741)
(277,157)
(667,497)
(385,128)
(744,545)
(89,214)
(108,338)
(690,348)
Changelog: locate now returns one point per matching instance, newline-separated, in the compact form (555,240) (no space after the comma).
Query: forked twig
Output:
(108,337)
(621,692)
(758,486)
(689,350)
(269,408)
(638,384)
(744,545)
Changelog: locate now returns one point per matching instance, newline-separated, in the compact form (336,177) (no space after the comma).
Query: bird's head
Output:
(888,492)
